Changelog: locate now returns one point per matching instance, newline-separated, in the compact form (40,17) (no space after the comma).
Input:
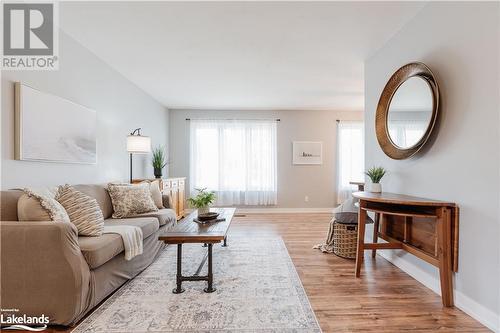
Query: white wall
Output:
(121,107)
(459,42)
(294,181)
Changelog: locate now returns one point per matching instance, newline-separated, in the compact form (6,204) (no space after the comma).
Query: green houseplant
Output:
(202,200)
(159,161)
(375,174)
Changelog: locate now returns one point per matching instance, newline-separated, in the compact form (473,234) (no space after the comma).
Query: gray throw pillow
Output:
(347,213)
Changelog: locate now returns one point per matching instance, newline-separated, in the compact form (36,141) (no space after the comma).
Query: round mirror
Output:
(407,111)
(410,112)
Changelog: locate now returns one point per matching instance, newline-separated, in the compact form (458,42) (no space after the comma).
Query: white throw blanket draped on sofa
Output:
(132,238)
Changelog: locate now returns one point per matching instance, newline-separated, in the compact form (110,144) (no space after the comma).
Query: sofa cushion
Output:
(100,193)
(99,250)
(148,224)
(164,216)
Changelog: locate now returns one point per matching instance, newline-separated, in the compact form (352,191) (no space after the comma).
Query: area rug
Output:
(258,290)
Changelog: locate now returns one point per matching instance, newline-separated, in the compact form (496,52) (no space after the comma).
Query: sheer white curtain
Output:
(236,159)
(406,133)
(350,157)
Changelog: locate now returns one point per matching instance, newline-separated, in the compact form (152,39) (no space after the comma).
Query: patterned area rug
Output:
(258,290)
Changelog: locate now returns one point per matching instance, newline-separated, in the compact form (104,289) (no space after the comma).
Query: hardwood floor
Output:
(383,299)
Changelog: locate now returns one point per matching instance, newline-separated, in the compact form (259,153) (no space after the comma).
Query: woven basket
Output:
(345,240)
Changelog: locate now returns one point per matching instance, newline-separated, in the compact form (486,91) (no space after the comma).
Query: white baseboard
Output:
(244,210)
(485,316)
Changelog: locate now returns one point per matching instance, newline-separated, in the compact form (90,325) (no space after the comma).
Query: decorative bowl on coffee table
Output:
(208,216)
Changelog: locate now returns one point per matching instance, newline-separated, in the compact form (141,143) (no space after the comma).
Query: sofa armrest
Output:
(167,201)
(43,271)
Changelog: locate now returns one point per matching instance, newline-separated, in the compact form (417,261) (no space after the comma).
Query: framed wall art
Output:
(307,152)
(53,129)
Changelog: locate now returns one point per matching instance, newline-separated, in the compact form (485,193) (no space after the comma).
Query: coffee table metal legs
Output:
(209,277)
(179,288)
(225,242)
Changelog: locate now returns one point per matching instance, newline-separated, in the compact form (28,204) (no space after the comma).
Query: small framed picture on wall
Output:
(307,152)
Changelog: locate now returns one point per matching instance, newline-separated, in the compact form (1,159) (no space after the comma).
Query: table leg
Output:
(444,255)
(179,288)
(210,288)
(361,238)
(225,242)
(375,232)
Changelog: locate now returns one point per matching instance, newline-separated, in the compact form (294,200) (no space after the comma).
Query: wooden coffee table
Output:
(188,231)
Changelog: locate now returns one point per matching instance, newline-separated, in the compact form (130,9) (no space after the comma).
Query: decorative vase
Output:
(203,210)
(157,172)
(375,187)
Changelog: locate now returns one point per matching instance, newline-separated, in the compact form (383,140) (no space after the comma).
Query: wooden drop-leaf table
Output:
(425,228)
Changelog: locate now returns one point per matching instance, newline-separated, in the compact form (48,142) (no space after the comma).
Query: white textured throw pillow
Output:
(31,205)
(84,211)
(130,200)
(154,188)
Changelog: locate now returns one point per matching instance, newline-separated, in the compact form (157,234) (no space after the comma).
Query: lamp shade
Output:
(138,144)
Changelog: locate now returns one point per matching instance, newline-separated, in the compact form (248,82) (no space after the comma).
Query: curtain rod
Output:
(278,119)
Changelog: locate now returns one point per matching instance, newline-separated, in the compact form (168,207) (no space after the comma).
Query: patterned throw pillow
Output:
(84,211)
(130,200)
(32,206)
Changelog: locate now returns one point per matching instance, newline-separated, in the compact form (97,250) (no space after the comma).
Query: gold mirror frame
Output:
(414,69)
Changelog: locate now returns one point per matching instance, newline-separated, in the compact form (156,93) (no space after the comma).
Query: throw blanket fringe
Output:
(132,238)
(327,247)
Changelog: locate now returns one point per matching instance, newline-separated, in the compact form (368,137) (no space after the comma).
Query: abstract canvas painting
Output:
(307,152)
(52,129)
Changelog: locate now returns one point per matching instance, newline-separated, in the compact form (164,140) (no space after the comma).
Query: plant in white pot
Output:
(375,174)
(202,200)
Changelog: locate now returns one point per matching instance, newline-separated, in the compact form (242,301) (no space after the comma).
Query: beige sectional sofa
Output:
(46,268)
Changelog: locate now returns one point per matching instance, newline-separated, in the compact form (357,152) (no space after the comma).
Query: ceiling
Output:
(240,55)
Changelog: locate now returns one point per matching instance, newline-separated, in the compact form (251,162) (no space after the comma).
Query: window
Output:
(236,159)
(350,157)
(406,133)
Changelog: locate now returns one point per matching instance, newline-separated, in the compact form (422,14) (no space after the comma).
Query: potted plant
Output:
(158,161)
(202,200)
(375,174)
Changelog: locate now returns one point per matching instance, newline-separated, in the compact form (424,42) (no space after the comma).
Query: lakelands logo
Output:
(10,320)
(30,36)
